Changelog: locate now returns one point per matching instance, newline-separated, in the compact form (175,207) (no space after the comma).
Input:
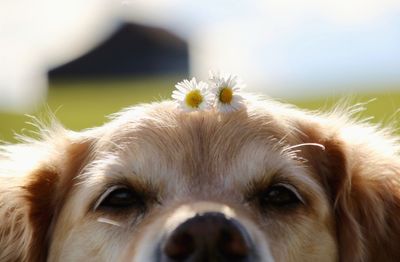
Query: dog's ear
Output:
(35,177)
(360,168)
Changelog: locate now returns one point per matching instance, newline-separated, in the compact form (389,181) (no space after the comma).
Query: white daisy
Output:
(227,91)
(192,95)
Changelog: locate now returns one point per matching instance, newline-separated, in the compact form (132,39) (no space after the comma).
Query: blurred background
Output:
(87,59)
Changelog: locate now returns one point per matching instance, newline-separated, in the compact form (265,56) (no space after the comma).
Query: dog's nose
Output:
(207,237)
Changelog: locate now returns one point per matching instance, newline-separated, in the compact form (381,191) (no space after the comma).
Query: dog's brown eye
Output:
(119,197)
(280,195)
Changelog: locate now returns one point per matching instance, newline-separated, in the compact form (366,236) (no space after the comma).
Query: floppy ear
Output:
(35,177)
(360,168)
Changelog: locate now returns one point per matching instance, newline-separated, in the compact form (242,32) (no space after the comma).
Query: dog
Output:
(268,182)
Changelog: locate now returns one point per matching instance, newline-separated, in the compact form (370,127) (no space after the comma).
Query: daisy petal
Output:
(227,92)
(192,95)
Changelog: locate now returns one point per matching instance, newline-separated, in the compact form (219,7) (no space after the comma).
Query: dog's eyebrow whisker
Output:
(109,221)
(293,154)
(322,147)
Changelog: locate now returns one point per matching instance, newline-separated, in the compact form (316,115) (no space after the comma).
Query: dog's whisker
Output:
(293,154)
(322,147)
(109,221)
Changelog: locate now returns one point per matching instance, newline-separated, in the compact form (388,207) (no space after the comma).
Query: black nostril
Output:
(232,244)
(180,246)
(207,236)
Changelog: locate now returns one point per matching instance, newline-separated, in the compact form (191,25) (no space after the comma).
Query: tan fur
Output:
(347,173)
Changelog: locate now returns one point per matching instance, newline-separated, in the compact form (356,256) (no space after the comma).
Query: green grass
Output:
(82,104)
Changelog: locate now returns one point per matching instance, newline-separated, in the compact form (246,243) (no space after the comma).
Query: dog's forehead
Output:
(164,122)
(159,139)
(170,130)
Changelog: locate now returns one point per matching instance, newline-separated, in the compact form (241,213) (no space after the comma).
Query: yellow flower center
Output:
(194,98)
(226,95)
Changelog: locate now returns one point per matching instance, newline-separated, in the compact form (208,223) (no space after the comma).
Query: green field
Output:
(82,104)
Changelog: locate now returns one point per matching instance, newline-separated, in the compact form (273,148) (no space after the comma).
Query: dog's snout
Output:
(207,237)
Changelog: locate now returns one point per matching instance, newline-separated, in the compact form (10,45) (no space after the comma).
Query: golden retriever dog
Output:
(268,182)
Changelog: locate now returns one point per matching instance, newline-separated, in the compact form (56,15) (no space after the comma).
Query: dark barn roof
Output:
(132,50)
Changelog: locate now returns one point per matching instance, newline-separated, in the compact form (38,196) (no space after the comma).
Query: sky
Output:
(293,48)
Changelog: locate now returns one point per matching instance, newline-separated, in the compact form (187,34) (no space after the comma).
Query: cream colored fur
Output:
(346,173)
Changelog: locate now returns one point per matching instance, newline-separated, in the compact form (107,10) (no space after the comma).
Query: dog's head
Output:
(264,183)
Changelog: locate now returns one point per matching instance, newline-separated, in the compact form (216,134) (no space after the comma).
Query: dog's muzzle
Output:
(209,236)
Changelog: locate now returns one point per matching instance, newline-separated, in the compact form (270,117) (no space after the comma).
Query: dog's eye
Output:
(118,198)
(280,195)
